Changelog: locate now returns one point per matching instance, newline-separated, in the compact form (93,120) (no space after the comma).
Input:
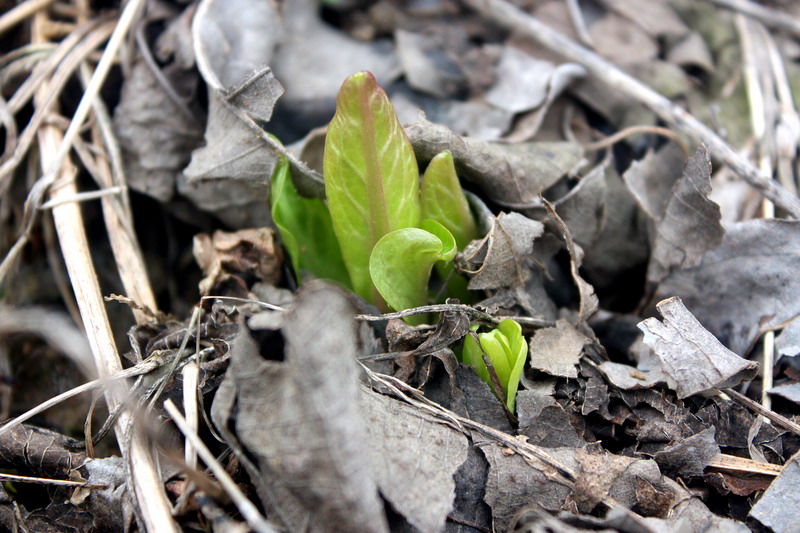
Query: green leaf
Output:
(401,264)
(443,200)
(371,176)
(306,230)
(507,350)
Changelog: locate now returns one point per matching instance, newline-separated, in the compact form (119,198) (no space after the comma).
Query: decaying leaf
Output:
(414,459)
(588,299)
(156,133)
(522,81)
(557,351)
(690,456)
(687,223)
(777,508)
(249,252)
(693,360)
(300,421)
(234,42)
(755,264)
(429,63)
(312,46)
(232,150)
(499,259)
(510,174)
(788,342)
(512,483)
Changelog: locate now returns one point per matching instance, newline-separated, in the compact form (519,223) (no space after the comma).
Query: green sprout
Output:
(386,231)
(506,349)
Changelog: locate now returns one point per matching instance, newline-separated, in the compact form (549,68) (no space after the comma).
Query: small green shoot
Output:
(506,349)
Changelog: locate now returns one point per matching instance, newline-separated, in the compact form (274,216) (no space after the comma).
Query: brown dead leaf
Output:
(693,360)
(249,252)
(499,259)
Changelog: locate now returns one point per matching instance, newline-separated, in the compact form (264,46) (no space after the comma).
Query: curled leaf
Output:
(401,262)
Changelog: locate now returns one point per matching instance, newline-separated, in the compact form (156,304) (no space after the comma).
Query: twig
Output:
(633,130)
(756,407)
(119,222)
(14,16)
(48,481)
(42,108)
(770,17)
(191,374)
(245,506)
(440,308)
(756,85)
(532,28)
(733,463)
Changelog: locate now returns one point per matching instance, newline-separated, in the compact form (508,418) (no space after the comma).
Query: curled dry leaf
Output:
(693,360)
(588,299)
(501,254)
(687,223)
(248,252)
(233,42)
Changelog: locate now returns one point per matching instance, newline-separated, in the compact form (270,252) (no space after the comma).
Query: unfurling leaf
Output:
(401,263)
(371,176)
(507,349)
(306,230)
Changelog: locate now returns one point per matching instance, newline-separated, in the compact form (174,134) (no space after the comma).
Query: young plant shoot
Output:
(507,350)
(372,185)
(378,234)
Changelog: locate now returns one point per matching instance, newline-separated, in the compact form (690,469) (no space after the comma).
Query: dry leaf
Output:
(693,360)
(414,458)
(501,254)
(756,264)
(777,508)
(687,223)
(245,253)
(690,456)
(510,174)
(557,351)
(299,419)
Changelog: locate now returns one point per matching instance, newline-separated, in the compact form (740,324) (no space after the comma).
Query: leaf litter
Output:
(647,296)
